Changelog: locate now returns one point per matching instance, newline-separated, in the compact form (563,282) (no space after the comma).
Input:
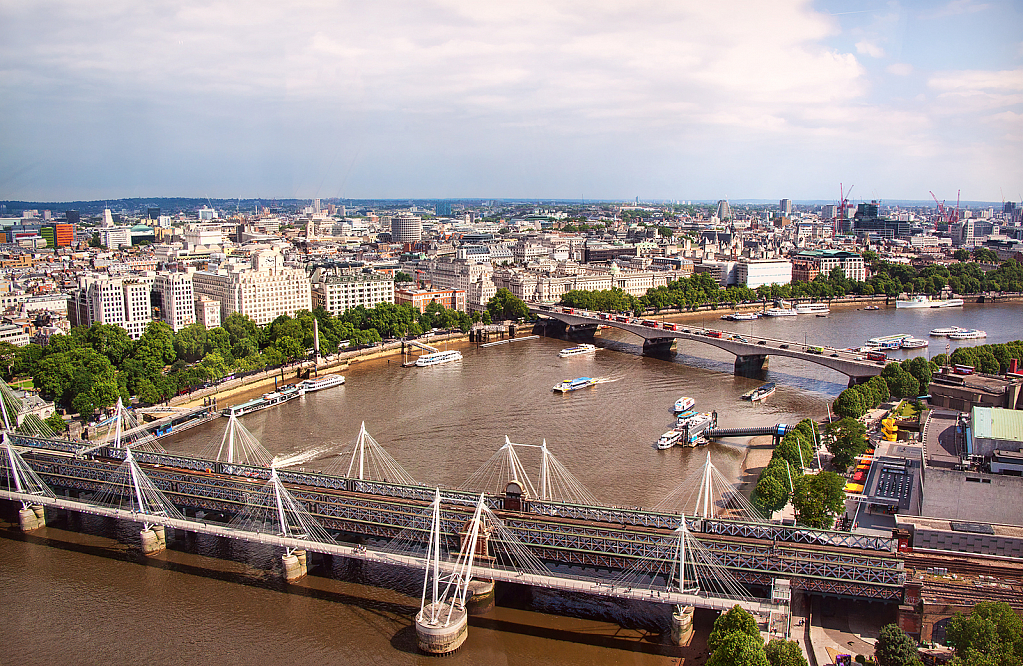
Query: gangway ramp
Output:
(777,431)
(425,347)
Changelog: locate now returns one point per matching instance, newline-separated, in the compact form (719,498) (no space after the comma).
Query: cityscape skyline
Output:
(545,101)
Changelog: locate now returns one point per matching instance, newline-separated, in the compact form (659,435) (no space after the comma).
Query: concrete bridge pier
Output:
(32,517)
(440,638)
(480,599)
(551,328)
(753,366)
(154,540)
(658,346)
(581,332)
(295,565)
(855,381)
(682,624)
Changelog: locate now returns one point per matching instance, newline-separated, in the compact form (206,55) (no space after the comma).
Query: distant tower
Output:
(406,228)
(785,206)
(724,212)
(316,206)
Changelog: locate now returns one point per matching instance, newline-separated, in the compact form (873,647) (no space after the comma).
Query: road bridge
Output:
(750,354)
(558,534)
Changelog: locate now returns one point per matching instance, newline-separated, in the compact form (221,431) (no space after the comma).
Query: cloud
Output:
(900,69)
(870,49)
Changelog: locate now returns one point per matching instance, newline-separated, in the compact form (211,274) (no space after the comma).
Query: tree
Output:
(505,305)
(402,277)
(771,493)
(190,342)
(895,648)
(849,404)
(847,438)
(992,634)
(784,653)
(734,620)
(900,382)
(739,649)
(56,423)
(818,498)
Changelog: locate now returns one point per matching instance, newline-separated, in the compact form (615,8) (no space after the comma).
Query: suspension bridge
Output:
(703,546)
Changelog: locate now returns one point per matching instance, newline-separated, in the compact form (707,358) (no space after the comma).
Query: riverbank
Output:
(758,454)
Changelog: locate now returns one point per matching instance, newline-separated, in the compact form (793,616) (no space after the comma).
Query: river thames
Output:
(88,597)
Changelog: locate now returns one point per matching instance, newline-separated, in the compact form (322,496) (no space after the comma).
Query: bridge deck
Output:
(574,584)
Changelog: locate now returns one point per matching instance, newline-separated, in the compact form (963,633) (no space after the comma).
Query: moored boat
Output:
(922,301)
(320,383)
(812,308)
(438,358)
(760,392)
(888,341)
(669,439)
(278,397)
(970,334)
(684,403)
(577,350)
(871,307)
(914,343)
(574,384)
(942,332)
(779,312)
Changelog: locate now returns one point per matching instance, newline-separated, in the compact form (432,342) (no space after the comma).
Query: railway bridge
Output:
(751,355)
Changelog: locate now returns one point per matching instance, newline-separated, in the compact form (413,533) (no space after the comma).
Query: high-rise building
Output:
(173,294)
(406,228)
(153,212)
(72,216)
(724,212)
(443,208)
(263,291)
(785,206)
(118,301)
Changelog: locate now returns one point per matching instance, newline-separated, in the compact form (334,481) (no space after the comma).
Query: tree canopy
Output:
(818,498)
(991,635)
(895,648)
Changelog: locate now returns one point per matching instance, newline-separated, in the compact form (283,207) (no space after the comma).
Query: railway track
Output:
(961,565)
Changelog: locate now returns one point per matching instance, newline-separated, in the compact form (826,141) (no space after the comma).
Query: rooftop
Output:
(996,423)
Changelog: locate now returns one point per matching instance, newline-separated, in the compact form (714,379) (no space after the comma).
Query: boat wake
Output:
(606,380)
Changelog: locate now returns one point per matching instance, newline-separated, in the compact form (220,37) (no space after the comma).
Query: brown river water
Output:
(79,592)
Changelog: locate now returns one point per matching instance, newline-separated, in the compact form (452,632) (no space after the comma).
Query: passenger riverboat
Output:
(967,334)
(914,343)
(437,358)
(760,392)
(320,383)
(267,400)
(669,439)
(813,308)
(577,350)
(945,331)
(574,384)
(684,403)
(779,312)
(922,301)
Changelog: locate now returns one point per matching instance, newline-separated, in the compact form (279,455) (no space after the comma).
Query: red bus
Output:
(877,356)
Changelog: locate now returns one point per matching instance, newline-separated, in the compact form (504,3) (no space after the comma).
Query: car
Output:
(784,346)
(835,355)
(686,330)
(762,342)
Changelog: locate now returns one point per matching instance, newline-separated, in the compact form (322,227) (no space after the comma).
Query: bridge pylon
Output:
(23,479)
(753,366)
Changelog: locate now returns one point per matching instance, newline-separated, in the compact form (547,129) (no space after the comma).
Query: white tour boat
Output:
(577,350)
(669,439)
(812,308)
(888,341)
(921,301)
(574,384)
(779,312)
(684,404)
(320,383)
(437,358)
(971,334)
(947,330)
(914,343)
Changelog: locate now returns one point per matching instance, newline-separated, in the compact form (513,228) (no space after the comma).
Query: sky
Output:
(545,99)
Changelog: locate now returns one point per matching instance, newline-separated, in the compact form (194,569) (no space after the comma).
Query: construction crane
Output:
(843,203)
(947,215)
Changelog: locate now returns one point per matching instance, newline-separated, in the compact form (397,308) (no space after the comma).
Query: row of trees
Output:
(992,359)
(92,367)
(909,379)
(886,279)
(735,641)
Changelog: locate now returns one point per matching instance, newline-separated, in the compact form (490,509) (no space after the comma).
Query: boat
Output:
(813,308)
(669,439)
(779,312)
(577,350)
(574,384)
(271,399)
(942,332)
(681,418)
(693,427)
(922,301)
(914,343)
(888,341)
(684,403)
(437,358)
(871,307)
(971,334)
(760,392)
(741,316)
(320,383)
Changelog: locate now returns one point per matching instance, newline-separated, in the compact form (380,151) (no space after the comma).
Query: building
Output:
(807,265)
(175,300)
(14,334)
(207,312)
(724,211)
(785,206)
(58,235)
(114,237)
(964,392)
(757,272)
(118,301)
(453,299)
(339,293)
(406,228)
(725,273)
(263,291)
(994,430)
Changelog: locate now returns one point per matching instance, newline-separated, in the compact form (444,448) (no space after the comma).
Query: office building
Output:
(406,228)
(339,293)
(453,299)
(174,298)
(785,206)
(123,302)
(757,272)
(263,290)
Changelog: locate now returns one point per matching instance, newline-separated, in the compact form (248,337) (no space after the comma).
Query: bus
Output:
(877,356)
(963,369)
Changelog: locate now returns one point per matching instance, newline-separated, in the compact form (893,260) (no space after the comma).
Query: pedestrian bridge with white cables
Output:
(700,548)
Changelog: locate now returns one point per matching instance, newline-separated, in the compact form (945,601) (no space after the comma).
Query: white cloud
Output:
(870,49)
(900,69)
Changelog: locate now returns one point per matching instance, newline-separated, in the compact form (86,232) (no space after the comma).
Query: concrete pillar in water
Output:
(294,565)
(439,639)
(480,599)
(682,625)
(153,542)
(32,517)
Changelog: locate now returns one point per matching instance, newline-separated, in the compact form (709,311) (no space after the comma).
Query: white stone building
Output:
(177,299)
(261,294)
